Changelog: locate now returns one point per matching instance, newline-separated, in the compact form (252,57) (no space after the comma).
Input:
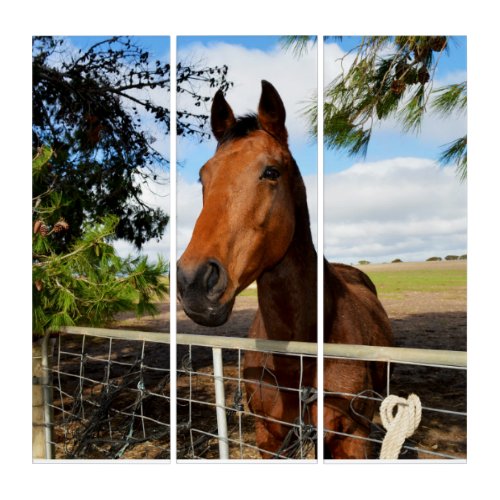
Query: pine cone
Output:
(438,43)
(400,41)
(60,225)
(411,77)
(423,76)
(39,285)
(421,52)
(398,87)
(36,226)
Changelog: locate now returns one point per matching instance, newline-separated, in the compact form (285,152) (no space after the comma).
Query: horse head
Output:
(247,221)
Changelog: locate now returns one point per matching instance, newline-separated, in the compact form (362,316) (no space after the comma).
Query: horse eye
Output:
(270,173)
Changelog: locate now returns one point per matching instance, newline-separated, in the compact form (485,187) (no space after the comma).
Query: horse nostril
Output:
(215,280)
(212,275)
(206,281)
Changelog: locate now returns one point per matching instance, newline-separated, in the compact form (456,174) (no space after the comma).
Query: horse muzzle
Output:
(200,289)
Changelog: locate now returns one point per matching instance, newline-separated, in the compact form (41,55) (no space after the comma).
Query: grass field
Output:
(396,279)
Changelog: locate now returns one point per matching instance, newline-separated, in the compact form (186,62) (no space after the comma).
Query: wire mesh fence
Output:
(202,389)
(110,398)
(438,378)
(441,385)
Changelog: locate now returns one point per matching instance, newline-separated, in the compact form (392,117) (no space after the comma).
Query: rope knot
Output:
(400,417)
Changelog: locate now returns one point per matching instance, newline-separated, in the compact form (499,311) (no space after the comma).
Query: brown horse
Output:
(254,225)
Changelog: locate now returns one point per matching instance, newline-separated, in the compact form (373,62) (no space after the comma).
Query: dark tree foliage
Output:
(91,108)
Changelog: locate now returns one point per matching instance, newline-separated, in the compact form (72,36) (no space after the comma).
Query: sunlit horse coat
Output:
(254,225)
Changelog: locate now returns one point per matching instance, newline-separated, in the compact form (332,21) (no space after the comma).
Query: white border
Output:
(173,249)
(196,17)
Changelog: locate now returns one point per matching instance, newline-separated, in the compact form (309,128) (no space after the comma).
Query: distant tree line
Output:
(448,257)
(430,259)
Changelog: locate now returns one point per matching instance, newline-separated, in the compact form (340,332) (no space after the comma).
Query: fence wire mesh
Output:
(110,398)
(198,433)
(441,388)
(442,433)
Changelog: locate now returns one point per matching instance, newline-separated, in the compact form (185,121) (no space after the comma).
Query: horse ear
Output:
(222,116)
(272,112)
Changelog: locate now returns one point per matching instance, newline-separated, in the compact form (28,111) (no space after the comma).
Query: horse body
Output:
(255,226)
(287,311)
(352,315)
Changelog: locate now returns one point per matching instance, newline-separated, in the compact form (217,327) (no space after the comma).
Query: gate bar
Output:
(434,357)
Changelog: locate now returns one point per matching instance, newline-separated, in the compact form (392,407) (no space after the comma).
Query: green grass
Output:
(397,282)
(248,292)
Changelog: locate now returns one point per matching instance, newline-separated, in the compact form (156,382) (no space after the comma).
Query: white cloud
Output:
(335,60)
(294,78)
(407,208)
(189,204)
(152,249)
(155,195)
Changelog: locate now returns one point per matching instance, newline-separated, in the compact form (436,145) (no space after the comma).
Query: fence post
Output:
(220,402)
(41,401)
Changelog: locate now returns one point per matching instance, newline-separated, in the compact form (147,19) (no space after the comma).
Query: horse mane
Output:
(241,128)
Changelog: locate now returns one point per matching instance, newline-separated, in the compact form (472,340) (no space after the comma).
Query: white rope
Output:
(400,417)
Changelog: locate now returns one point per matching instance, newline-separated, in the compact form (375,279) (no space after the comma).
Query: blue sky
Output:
(250,42)
(384,143)
(159,46)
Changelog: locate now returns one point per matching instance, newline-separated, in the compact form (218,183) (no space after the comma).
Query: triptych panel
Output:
(249,247)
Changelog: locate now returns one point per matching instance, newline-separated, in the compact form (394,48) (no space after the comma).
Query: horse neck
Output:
(287,292)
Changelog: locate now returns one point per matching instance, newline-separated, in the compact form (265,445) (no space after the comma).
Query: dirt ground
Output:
(433,320)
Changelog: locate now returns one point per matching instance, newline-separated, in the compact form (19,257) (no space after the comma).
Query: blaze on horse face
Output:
(246,223)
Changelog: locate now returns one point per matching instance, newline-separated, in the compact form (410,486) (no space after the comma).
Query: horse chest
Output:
(273,383)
